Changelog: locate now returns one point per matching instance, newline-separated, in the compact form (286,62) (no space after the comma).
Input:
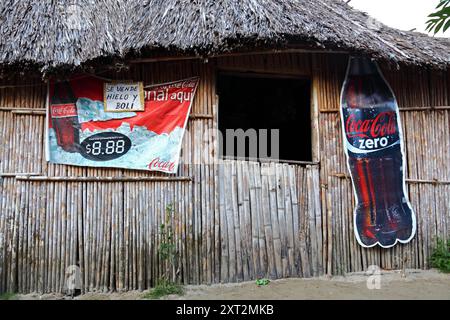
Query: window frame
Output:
(275,75)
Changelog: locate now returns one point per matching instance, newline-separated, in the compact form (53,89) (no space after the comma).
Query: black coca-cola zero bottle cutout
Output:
(64,116)
(375,157)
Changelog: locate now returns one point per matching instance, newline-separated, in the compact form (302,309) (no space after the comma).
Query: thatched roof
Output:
(70,32)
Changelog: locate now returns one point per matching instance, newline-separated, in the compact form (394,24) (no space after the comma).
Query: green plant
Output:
(167,250)
(168,257)
(262,282)
(440,258)
(7,296)
(164,288)
(439,19)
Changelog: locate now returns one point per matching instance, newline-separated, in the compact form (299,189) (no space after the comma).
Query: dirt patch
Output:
(414,284)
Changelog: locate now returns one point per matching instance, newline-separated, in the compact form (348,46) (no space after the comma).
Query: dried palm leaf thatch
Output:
(70,32)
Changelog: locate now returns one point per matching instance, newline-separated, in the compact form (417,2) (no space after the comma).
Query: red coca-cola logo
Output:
(158,164)
(383,124)
(64,110)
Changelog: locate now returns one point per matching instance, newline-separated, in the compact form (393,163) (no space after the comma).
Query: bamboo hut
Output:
(237,220)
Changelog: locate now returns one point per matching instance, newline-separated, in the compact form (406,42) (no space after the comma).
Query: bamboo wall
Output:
(234,220)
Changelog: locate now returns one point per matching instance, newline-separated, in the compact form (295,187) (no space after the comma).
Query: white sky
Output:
(400,14)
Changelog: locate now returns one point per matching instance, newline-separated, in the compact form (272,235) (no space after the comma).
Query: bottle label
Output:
(63,110)
(370,130)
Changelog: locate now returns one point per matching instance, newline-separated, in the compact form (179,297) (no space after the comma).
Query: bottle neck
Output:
(362,66)
(63,93)
(365,87)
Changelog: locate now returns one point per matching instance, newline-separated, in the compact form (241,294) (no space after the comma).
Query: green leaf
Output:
(443,3)
(447,25)
(435,14)
(439,20)
(430,24)
(439,26)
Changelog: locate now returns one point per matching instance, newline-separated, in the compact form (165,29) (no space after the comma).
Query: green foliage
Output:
(167,248)
(168,256)
(440,258)
(7,296)
(164,288)
(262,282)
(439,20)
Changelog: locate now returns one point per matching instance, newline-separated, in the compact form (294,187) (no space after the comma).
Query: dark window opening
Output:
(250,101)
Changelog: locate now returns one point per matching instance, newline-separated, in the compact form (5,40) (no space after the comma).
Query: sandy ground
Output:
(414,284)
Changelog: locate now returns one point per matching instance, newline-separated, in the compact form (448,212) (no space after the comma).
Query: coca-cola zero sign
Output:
(368,131)
(375,156)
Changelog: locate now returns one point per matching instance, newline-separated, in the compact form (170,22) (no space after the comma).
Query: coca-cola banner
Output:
(376,160)
(82,133)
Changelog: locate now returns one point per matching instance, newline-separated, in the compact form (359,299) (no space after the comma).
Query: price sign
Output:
(105,146)
(124,96)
